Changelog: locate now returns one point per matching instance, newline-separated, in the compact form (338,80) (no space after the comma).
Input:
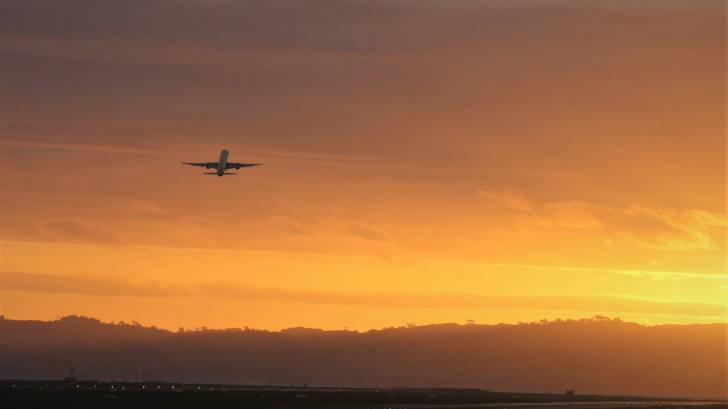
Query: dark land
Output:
(597,356)
(72,393)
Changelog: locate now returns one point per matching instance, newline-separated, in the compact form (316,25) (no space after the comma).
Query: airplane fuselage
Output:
(222,162)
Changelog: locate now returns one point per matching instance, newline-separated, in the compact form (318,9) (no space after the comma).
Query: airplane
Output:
(221,165)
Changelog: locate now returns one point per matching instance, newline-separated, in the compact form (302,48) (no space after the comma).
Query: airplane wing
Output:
(236,165)
(207,165)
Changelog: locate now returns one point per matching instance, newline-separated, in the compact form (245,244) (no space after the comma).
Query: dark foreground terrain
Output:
(602,356)
(86,394)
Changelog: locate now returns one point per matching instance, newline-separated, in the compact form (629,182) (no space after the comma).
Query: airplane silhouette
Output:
(222,165)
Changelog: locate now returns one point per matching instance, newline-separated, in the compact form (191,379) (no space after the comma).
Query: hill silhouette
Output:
(599,355)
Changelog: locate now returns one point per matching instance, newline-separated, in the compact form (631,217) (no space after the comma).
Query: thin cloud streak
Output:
(113,287)
(105,148)
(72,230)
(656,274)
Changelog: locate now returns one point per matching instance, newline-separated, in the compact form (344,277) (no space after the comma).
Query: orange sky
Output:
(425,162)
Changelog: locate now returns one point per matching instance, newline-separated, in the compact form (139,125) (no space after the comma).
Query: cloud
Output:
(345,228)
(144,208)
(657,228)
(573,215)
(366,231)
(83,285)
(288,225)
(509,200)
(90,147)
(78,232)
(651,274)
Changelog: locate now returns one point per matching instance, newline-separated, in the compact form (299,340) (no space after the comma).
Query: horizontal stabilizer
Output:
(215,173)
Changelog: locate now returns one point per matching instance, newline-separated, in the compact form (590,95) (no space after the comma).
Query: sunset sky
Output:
(425,161)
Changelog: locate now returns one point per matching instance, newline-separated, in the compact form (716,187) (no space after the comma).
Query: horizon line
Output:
(544,321)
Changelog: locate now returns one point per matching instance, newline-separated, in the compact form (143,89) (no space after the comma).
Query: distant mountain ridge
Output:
(599,355)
